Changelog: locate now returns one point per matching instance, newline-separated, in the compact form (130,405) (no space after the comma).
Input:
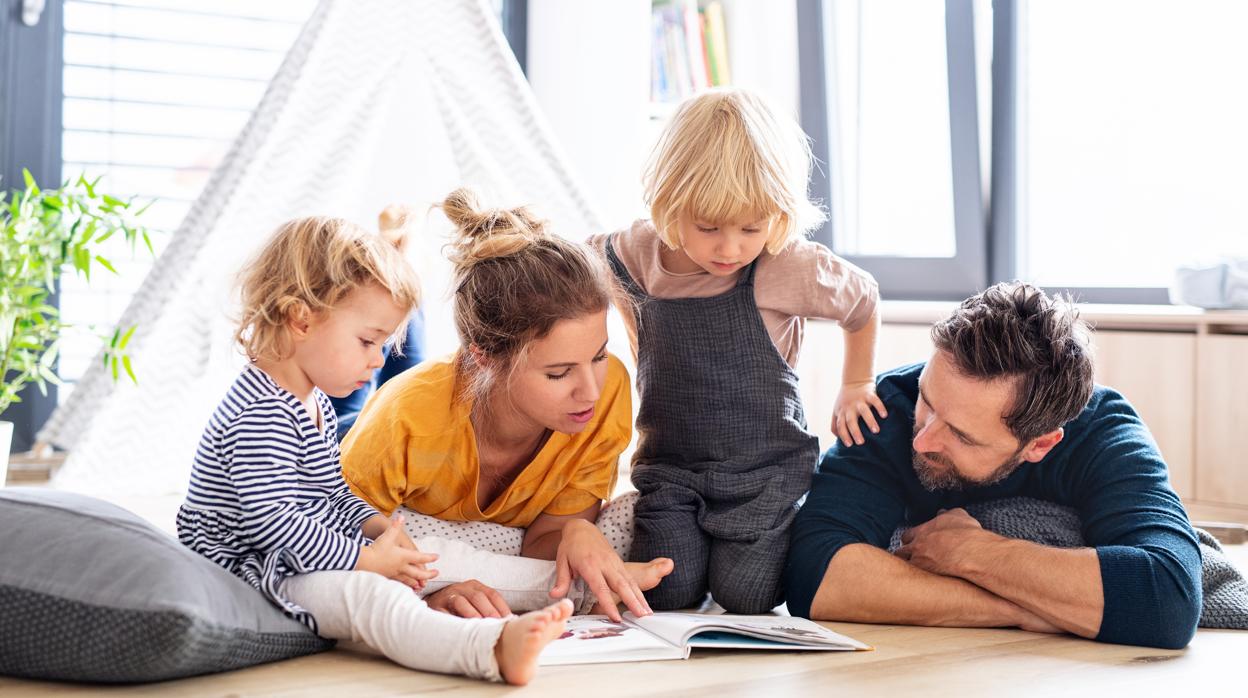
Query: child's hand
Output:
(394,556)
(392,222)
(854,401)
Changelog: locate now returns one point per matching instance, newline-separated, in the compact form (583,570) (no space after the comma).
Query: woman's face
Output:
(556,383)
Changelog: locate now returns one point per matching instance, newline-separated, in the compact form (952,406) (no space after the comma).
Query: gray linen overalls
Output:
(724,454)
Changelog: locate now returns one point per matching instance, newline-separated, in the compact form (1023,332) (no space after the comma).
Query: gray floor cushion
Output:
(91,592)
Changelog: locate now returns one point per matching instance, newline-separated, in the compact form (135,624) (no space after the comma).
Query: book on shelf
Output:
(689,49)
(598,639)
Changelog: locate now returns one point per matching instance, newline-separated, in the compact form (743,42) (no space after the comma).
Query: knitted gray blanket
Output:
(1225,589)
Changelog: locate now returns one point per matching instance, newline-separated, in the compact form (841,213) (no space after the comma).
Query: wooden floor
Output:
(906,661)
(931,662)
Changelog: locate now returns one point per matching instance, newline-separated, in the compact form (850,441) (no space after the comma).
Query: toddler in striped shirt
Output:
(267,500)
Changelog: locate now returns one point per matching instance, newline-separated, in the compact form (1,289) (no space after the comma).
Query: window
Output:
(889,129)
(1113,127)
(1132,139)
(889,99)
(155,92)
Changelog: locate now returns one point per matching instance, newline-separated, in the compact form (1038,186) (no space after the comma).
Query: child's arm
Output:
(357,511)
(857,395)
(265,452)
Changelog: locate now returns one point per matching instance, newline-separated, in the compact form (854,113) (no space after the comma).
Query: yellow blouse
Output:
(413,444)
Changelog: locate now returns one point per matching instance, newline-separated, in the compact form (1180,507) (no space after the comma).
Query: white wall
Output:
(588,63)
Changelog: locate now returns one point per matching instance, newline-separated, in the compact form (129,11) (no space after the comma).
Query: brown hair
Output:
(1014,330)
(309,266)
(513,281)
(728,154)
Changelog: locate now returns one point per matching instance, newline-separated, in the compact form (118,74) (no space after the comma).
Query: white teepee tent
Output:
(378,101)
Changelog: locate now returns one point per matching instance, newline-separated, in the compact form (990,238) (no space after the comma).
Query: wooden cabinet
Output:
(1221,414)
(1156,372)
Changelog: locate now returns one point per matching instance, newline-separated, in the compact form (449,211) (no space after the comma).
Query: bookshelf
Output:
(688,50)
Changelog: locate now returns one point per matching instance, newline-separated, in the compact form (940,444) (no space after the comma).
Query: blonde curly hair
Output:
(308,267)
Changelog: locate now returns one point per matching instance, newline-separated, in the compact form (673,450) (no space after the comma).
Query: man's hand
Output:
(939,546)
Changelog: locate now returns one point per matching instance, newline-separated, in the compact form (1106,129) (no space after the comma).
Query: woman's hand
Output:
(584,552)
(470,599)
(856,400)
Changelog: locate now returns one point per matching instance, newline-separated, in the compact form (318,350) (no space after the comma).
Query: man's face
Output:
(960,437)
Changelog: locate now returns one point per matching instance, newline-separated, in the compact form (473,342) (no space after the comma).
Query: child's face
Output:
(343,346)
(557,383)
(724,248)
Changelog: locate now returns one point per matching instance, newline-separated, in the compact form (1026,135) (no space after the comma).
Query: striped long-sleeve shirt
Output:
(267,498)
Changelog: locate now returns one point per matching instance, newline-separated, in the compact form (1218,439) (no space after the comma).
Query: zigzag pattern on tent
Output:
(377,101)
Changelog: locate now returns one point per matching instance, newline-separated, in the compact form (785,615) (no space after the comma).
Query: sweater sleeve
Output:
(855,497)
(1149,556)
(355,510)
(266,448)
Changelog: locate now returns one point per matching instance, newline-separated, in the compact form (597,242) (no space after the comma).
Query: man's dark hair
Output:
(1014,330)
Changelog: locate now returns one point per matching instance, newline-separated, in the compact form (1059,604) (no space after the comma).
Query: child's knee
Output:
(681,589)
(737,595)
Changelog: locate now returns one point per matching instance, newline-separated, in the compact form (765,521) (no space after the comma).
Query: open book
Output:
(598,639)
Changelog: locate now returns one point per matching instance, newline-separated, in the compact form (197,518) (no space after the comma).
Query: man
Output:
(1005,407)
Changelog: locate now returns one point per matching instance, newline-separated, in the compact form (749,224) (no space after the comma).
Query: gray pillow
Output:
(91,592)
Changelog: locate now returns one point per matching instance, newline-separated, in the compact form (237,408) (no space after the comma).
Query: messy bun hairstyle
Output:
(513,281)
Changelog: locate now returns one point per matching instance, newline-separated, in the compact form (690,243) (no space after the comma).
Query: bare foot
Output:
(647,575)
(523,639)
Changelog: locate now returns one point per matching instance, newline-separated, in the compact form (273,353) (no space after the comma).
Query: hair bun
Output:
(483,234)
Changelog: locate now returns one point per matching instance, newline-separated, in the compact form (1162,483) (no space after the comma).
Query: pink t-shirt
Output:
(804,280)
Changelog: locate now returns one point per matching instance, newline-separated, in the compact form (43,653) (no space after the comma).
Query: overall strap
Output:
(620,271)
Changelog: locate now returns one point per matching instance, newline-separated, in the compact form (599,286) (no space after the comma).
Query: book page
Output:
(794,633)
(597,639)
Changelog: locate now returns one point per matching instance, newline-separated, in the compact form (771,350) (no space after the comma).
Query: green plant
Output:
(45,232)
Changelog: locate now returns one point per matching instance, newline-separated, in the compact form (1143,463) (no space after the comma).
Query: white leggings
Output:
(386,615)
(364,607)
(490,554)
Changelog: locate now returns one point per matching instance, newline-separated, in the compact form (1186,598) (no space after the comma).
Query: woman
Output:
(519,429)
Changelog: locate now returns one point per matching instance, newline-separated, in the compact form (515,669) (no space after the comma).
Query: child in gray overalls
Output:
(722,280)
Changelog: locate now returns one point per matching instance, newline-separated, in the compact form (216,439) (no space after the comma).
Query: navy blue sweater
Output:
(1107,467)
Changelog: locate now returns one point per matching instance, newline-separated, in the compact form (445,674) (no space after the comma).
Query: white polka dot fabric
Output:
(615,521)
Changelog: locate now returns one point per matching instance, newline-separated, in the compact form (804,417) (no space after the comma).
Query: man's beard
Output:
(944,476)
